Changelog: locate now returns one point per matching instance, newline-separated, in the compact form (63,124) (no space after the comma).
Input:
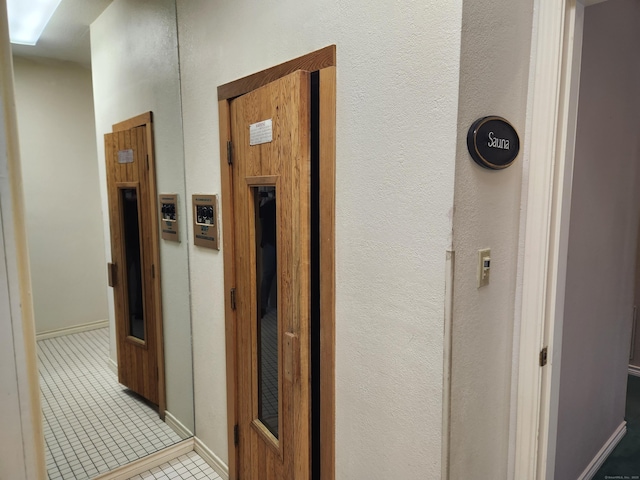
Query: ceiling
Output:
(66,37)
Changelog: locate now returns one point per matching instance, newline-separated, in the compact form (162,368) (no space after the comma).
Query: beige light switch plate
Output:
(484,267)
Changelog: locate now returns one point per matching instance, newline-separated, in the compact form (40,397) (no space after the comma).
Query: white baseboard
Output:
(147,463)
(85,327)
(177,426)
(211,458)
(113,366)
(633,370)
(604,452)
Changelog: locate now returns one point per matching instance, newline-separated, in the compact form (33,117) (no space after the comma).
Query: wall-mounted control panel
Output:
(205,220)
(169,217)
(484,267)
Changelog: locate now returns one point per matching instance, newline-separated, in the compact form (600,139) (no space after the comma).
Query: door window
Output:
(133,266)
(267,308)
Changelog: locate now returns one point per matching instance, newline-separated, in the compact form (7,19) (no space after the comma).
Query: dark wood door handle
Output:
(291,357)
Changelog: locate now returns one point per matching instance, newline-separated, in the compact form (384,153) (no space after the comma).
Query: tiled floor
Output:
(92,424)
(185,467)
(269,370)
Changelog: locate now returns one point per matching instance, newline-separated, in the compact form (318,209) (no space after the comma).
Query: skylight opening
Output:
(28,19)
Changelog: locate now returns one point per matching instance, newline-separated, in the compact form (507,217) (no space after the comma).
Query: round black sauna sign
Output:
(493,143)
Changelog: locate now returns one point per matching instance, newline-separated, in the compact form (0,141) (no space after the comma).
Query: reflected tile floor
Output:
(269,370)
(185,467)
(92,424)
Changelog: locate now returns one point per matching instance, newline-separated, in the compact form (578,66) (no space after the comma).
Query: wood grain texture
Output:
(323,58)
(138,360)
(286,102)
(327,272)
(231,182)
(138,121)
(264,180)
(226,173)
(156,267)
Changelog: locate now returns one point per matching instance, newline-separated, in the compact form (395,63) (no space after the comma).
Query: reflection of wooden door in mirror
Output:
(134,270)
(270,133)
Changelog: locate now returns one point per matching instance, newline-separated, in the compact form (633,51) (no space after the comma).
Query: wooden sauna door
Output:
(133,269)
(271,189)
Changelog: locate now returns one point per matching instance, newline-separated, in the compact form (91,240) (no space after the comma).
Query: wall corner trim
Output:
(111,363)
(147,463)
(177,426)
(211,458)
(604,452)
(447,361)
(85,327)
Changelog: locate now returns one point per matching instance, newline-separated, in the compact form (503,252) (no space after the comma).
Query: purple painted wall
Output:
(602,238)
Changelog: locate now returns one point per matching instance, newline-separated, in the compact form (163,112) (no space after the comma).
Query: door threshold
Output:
(150,461)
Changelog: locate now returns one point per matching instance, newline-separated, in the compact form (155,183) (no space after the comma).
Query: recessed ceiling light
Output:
(27,19)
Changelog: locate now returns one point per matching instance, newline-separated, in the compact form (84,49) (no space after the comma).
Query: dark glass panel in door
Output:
(266,275)
(133,266)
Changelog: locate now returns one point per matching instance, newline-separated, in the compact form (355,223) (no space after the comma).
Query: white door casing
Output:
(556,55)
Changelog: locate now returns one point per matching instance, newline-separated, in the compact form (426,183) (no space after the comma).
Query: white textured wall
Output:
(135,70)
(54,102)
(397,80)
(602,238)
(495,53)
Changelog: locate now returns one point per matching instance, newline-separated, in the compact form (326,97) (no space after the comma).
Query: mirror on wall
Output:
(70,91)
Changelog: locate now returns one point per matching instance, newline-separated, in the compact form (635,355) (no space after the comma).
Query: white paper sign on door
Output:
(261,132)
(125,156)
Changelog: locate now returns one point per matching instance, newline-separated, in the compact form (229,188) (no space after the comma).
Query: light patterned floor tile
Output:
(185,467)
(92,424)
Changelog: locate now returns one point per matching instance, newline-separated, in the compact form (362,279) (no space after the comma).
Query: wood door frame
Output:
(146,120)
(323,61)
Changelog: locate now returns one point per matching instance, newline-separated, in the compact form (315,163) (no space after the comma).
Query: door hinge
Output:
(147,161)
(111,274)
(153,271)
(236,435)
(543,357)
(229,153)
(233,299)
